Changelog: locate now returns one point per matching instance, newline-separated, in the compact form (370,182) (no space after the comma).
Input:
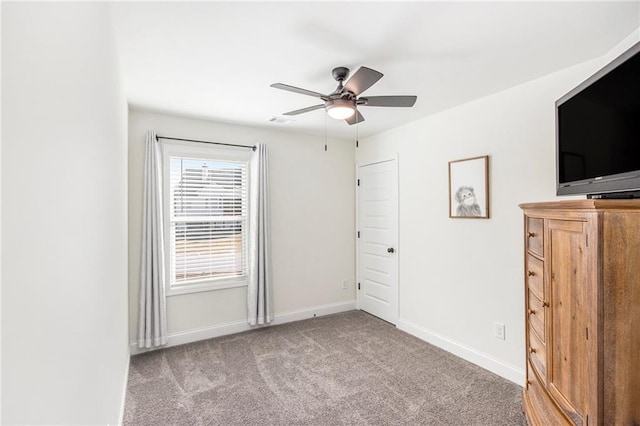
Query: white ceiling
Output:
(216,60)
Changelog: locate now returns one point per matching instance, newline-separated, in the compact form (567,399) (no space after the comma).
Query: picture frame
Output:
(469,188)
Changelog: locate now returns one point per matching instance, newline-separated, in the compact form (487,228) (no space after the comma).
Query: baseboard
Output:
(239,326)
(318,311)
(508,371)
(124,390)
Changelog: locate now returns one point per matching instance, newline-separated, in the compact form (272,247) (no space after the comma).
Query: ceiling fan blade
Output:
(388,101)
(362,80)
(303,110)
(355,118)
(298,90)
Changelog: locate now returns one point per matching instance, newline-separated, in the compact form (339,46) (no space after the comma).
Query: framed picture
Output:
(469,188)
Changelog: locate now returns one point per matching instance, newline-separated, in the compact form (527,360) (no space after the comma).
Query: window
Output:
(206,196)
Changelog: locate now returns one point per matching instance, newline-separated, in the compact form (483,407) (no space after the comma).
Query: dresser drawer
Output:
(534,236)
(535,276)
(537,354)
(538,405)
(536,316)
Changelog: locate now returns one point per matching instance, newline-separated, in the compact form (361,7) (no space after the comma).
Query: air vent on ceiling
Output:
(280,120)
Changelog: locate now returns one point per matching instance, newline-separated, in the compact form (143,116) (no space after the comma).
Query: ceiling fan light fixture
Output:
(340,109)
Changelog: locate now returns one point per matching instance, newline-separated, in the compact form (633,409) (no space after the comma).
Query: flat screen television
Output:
(598,132)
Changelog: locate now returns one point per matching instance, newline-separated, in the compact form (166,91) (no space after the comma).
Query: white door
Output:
(377,239)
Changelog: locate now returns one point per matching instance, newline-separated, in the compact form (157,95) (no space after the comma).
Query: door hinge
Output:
(587,333)
(358,182)
(358,286)
(586,240)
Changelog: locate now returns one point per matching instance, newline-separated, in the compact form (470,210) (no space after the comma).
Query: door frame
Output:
(396,225)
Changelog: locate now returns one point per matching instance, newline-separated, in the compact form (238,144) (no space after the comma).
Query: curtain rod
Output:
(253,148)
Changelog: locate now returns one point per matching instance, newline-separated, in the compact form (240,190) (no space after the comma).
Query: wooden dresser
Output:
(582,308)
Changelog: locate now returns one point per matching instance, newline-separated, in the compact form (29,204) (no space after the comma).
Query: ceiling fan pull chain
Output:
(325,132)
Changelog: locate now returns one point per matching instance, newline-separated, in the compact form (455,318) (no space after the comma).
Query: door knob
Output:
(391,250)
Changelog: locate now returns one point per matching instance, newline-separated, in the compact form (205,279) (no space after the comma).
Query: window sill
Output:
(207,286)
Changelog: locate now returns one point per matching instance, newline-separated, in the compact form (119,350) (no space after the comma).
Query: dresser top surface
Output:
(588,204)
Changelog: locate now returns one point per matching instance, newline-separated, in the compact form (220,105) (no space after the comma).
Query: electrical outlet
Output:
(345,284)
(498,330)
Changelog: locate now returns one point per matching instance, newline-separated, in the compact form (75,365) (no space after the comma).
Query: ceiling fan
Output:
(343,103)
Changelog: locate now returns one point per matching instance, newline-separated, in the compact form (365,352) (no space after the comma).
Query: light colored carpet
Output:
(343,369)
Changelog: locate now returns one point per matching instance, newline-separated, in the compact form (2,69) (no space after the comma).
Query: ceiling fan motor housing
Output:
(340,73)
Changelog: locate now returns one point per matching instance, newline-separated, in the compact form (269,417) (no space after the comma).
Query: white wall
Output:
(459,276)
(312,212)
(64,216)
(0,231)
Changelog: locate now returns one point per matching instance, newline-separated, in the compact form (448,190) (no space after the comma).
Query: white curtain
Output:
(152,325)
(259,298)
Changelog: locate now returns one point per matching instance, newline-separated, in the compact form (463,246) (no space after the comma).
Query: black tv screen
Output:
(598,131)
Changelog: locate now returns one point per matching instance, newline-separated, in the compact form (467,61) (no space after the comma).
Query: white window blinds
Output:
(208,220)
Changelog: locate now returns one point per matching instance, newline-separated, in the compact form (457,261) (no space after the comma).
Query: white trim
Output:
(317,311)
(190,336)
(124,390)
(207,286)
(508,371)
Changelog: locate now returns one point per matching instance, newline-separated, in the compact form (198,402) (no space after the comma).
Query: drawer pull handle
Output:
(545,304)
(532,311)
(531,234)
(529,382)
(532,350)
(531,273)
